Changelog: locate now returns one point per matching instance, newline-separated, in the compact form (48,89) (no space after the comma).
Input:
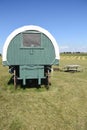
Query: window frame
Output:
(24,46)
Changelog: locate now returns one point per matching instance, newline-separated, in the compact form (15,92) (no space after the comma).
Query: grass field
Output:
(62,107)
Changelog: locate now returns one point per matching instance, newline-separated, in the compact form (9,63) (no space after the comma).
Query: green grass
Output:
(62,107)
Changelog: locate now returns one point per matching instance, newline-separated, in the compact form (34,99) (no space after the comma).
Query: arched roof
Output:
(26,28)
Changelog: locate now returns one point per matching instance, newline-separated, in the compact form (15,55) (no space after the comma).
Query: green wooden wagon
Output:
(30,51)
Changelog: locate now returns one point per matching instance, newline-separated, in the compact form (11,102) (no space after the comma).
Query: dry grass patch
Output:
(63,107)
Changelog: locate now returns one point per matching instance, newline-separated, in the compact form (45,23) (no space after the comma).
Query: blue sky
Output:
(66,20)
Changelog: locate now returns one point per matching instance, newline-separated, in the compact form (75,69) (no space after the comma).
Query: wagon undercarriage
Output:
(31,73)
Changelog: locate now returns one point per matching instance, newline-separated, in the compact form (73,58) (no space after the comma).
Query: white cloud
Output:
(82,49)
(64,48)
(67,48)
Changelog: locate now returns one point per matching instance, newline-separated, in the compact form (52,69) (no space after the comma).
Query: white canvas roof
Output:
(25,28)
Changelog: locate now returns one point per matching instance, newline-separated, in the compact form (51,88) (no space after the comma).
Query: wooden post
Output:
(48,79)
(15,79)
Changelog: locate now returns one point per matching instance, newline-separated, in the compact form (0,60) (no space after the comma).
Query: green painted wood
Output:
(18,54)
(31,72)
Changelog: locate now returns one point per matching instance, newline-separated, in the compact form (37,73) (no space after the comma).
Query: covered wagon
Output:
(30,52)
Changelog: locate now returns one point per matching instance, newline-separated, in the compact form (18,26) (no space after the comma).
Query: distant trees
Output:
(0,54)
(73,52)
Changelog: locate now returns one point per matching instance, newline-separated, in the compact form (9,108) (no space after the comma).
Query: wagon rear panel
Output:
(39,51)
